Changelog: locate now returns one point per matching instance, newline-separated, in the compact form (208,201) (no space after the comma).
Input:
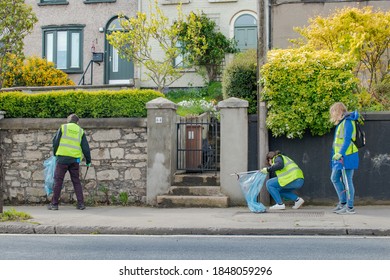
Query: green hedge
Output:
(240,79)
(86,104)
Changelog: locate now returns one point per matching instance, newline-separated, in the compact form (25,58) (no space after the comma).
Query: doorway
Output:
(118,70)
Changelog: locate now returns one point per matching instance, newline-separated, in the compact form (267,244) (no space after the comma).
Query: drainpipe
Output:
(269,27)
(137,84)
(2,113)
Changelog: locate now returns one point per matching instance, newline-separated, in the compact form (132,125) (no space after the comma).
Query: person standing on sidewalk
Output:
(69,146)
(285,178)
(345,157)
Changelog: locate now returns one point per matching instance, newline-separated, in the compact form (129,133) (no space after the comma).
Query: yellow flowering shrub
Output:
(12,75)
(34,71)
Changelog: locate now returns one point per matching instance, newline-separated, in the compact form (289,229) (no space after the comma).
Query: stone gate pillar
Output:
(161,130)
(234,146)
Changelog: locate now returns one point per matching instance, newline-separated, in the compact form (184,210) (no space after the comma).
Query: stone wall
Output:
(119,160)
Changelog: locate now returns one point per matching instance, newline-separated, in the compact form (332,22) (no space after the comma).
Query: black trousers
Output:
(59,174)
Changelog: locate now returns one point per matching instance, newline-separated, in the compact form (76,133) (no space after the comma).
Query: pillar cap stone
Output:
(233,102)
(161,103)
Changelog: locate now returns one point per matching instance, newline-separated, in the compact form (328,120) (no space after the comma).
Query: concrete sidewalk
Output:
(309,220)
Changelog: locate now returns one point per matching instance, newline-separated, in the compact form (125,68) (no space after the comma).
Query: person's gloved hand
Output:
(89,164)
(264,170)
(337,156)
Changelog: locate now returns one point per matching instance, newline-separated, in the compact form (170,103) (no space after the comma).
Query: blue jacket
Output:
(350,161)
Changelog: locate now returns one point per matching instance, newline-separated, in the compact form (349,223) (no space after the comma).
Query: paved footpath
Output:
(309,220)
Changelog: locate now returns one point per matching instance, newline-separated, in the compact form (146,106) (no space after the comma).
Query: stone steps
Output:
(194,190)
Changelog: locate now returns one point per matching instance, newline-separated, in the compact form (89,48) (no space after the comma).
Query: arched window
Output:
(245,32)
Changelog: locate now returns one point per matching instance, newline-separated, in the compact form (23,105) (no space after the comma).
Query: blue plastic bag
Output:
(50,166)
(251,184)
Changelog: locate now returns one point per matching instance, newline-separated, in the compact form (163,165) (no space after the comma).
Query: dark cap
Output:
(73,118)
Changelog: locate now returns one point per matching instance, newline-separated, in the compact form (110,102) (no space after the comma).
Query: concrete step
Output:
(174,201)
(196,179)
(195,190)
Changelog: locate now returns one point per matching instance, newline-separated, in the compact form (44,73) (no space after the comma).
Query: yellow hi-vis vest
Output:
(339,139)
(70,142)
(289,173)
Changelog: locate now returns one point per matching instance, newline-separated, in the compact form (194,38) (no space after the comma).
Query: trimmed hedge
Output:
(86,104)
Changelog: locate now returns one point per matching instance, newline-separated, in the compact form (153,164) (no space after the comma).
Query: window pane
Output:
(49,47)
(116,24)
(61,49)
(75,59)
(115,60)
(245,20)
(179,60)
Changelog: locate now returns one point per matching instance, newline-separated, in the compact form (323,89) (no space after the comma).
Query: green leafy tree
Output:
(135,43)
(361,34)
(300,85)
(16,21)
(208,54)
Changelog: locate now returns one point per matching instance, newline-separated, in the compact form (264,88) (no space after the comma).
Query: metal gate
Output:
(198,144)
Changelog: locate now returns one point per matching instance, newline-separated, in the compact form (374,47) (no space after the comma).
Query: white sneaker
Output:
(298,203)
(278,207)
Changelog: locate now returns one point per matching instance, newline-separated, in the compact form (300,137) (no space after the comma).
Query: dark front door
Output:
(118,70)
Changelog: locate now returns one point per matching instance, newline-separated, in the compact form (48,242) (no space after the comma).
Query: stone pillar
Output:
(234,146)
(161,127)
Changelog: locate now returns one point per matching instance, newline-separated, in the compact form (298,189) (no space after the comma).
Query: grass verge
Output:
(13,215)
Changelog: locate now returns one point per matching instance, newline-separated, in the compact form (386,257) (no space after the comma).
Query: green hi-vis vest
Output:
(339,139)
(289,173)
(70,142)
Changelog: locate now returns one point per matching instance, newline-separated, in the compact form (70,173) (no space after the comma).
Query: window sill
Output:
(53,4)
(72,71)
(99,1)
(222,1)
(175,2)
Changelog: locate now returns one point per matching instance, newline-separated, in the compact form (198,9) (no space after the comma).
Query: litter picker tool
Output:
(345,180)
(85,175)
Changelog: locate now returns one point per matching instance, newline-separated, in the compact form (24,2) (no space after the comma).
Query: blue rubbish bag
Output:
(50,166)
(251,183)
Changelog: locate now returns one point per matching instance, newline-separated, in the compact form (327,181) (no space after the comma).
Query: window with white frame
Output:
(63,46)
(179,61)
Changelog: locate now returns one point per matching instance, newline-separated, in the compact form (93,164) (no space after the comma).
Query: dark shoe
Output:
(52,207)
(80,206)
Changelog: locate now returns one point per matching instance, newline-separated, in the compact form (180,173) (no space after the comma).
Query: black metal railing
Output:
(198,145)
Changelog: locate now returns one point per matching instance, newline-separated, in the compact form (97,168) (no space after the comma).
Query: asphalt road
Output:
(127,247)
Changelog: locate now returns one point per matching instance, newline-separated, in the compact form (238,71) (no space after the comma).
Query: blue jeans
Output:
(278,192)
(336,178)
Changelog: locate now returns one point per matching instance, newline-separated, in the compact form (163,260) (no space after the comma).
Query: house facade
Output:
(287,14)
(234,18)
(72,33)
